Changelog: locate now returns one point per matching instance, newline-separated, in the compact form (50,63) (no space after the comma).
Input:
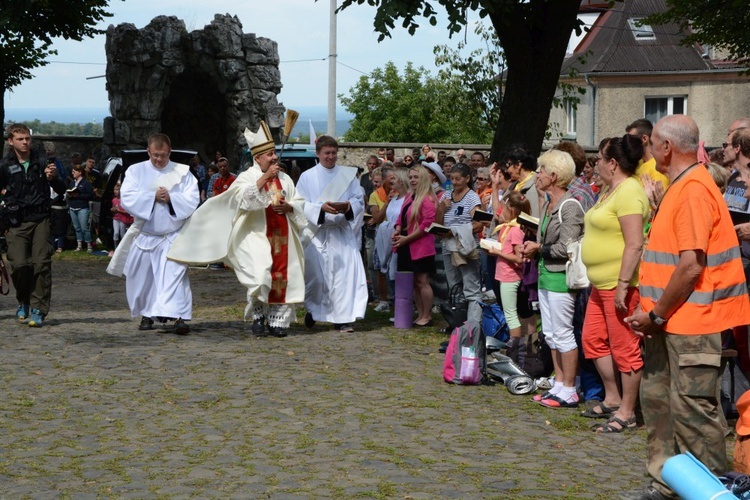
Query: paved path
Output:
(93,408)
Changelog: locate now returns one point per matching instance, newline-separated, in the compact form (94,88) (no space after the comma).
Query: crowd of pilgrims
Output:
(606,200)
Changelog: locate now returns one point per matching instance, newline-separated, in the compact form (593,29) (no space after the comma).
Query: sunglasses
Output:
(482,179)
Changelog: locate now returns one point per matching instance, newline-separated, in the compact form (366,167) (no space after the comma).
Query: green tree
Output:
(533,35)
(481,72)
(27,29)
(412,107)
(724,24)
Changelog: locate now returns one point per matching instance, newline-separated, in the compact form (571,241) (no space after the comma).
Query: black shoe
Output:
(257,327)
(180,327)
(309,321)
(649,493)
(277,332)
(146,323)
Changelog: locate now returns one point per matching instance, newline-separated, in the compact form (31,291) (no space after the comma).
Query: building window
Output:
(641,32)
(570,118)
(659,107)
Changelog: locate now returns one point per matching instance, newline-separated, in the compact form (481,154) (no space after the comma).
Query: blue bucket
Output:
(692,480)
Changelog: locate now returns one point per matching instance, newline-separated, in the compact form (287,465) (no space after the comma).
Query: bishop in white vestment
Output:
(254,227)
(161,195)
(335,282)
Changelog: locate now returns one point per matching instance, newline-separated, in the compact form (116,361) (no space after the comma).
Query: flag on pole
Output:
(313,137)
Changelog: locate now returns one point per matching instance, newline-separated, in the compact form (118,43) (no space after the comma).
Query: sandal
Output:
(538,397)
(553,401)
(604,411)
(609,428)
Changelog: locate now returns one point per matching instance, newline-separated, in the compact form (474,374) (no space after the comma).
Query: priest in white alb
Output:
(254,228)
(335,282)
(161,195)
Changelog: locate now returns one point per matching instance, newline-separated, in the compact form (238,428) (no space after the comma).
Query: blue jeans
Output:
(80,218)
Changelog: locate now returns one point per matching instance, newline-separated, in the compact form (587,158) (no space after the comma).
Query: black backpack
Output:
(533,355)
(456,311)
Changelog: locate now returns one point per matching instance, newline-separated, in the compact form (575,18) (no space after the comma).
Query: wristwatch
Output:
(657,320)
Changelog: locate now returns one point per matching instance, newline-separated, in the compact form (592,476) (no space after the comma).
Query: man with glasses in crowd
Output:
(739,206)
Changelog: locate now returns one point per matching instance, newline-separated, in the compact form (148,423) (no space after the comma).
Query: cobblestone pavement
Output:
(91,407)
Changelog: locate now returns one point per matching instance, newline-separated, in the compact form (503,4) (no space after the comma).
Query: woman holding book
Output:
(414,246)
(460,254)
(80,192)
(611,250)
(561,223)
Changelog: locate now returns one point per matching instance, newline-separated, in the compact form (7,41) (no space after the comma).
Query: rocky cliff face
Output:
(201,88)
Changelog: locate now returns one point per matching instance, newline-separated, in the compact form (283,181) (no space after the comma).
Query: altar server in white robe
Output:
(254,228)
(335,283)
(161,195)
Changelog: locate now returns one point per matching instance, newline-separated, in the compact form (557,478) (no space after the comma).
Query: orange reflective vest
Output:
(693,216)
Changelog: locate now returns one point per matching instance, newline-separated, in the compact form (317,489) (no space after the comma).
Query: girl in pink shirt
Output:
(509,260)
(121,220)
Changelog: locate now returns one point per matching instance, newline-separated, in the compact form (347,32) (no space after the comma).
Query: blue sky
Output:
(300,27)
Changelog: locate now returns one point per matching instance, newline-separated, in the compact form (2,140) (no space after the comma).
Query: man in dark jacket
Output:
(26,178)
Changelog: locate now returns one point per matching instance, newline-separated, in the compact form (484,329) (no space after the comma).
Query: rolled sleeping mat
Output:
(692,480)
(403,303)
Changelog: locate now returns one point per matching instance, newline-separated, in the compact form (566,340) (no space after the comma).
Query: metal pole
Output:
(332,72)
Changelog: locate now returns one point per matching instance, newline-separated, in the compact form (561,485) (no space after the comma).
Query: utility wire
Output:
(354,69)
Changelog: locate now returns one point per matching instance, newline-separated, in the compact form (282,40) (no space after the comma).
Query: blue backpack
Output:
(493,322)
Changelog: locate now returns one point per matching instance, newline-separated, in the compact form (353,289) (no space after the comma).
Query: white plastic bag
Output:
(575,270)
(469,372)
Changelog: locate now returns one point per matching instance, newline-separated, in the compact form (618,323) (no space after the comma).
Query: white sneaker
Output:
(383,306)
(545,383)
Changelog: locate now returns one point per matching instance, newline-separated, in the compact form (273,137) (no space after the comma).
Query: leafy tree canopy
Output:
(725,24)
(533,35)
(27,29)
(413,106)
(480,72)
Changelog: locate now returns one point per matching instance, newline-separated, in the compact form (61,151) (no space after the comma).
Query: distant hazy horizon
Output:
(318,115)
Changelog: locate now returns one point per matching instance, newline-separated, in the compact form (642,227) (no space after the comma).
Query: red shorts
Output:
(606,333)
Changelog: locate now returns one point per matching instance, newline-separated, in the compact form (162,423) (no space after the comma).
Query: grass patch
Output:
(423,338)
(84,381)
(24,401)
(304,442)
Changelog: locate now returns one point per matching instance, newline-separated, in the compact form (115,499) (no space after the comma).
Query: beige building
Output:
(633,71)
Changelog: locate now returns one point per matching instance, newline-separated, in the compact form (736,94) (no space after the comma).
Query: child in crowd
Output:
(509,260)
(59,220)
(121,220)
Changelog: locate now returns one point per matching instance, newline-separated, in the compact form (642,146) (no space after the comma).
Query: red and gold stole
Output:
(277,231)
